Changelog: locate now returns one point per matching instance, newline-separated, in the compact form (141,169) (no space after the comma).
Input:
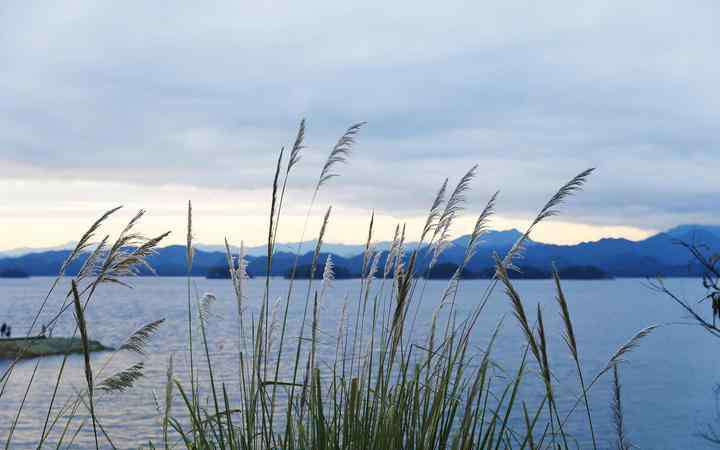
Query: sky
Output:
(151,104)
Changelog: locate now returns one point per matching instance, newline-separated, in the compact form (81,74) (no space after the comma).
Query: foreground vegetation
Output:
(390,384)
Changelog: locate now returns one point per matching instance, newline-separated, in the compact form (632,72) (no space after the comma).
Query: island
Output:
(220,273)
(13,273)
(31,347)
(303,272)
(444,271)
(583,273)
(523,272)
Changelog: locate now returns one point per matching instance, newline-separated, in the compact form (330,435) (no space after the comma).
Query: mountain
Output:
(27,250)
(493,239)
(685,230)
(291,247)
(659,254)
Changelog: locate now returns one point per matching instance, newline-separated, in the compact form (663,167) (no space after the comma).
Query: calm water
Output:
(667,386)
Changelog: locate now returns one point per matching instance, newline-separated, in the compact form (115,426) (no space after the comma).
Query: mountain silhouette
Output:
(658,255)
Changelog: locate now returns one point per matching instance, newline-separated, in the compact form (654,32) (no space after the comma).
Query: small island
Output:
(583,273)
(303,272)
(31,347)
(447,270)
(444,271)
(13,273)
(220,273)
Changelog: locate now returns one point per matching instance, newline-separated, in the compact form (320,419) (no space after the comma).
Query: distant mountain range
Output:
(345,250)
(657,255)
(26,250)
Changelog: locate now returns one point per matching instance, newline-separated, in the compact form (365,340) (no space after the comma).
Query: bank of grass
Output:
(390,385)
(41,346)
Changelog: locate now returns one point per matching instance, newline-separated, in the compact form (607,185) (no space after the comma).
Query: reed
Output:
(621,439)
(388,385)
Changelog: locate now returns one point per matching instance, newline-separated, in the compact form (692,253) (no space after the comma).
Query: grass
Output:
(386,387)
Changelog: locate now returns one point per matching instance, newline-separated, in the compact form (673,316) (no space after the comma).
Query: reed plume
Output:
(82,326)
(274,321)
(139,339)
(621,440)
(205,304)
(435,211)
(569,338)
(549,210)
(328,277)
(297,147)
(168,401)
(123,380)
(452,208)
(339,154)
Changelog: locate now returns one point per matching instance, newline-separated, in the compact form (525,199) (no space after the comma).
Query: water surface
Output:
(668,383)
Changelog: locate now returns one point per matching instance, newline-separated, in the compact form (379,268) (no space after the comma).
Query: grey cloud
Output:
(153,94)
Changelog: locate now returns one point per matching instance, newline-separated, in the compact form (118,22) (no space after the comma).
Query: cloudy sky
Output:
(151,104)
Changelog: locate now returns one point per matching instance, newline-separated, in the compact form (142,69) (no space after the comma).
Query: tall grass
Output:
(389,384)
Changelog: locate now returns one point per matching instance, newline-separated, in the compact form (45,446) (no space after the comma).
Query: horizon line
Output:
(69,244)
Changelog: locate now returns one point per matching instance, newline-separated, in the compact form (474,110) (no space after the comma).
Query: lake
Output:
(668,384)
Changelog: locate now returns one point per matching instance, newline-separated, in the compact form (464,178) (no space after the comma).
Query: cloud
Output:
(145,95)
